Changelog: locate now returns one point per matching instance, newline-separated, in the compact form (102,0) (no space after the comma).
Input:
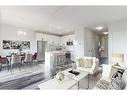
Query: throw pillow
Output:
(117,64)
(117,83)
(119,73)
(115,72)
(81,64)
(88,63)
(102,84)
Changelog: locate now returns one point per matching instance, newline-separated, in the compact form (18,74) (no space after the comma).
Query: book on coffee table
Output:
(74,72)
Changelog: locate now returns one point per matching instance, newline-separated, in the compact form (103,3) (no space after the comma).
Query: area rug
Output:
(24,81)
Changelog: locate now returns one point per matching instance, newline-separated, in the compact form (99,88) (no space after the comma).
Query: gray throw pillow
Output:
(102,84)
(118,73)
(117,83)
(81,63)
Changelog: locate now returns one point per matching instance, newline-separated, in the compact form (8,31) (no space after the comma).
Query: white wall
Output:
(86,41)
(118,39)
(79,42)
(91,41)
(8,32)
(104,44)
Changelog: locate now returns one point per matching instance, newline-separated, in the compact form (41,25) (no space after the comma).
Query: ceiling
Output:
(61,19)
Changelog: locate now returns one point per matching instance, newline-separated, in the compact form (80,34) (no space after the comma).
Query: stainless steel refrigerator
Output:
(41,49)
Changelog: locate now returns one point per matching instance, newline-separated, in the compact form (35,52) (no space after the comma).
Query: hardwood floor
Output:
(48,74)
(29,78)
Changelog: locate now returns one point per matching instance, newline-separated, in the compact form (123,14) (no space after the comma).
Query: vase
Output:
(60,77)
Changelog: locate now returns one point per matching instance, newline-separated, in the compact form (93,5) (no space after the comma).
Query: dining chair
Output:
(15,61)
(28,61)
(34,58)
(4,63)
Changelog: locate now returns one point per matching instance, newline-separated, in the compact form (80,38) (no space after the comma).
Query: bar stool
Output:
(60,59)
(4,63)
(34,58)
(28,60)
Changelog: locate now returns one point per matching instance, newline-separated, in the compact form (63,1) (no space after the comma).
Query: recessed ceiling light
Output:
(99,28)
(49,29)
(68,30)
(105,33)
(58,27)
(50,25)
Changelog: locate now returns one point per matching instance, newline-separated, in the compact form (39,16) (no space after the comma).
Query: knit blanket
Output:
(102,84)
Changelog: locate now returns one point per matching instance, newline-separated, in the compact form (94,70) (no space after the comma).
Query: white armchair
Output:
(88,64)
